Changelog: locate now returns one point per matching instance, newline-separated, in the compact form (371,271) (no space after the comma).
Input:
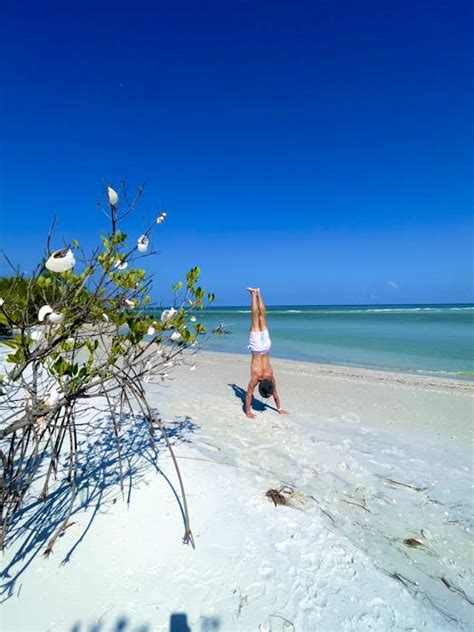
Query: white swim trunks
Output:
(259,341)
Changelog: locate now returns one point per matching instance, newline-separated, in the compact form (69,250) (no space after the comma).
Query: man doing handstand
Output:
(261,371)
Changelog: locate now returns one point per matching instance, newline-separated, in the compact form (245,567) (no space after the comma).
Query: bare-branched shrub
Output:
(84,337)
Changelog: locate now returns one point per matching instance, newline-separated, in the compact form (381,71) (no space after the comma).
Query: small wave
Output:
(328,311)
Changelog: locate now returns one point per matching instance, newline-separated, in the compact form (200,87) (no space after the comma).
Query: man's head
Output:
(265,388)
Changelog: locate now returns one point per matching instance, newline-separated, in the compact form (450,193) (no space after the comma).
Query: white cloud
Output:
(392,284)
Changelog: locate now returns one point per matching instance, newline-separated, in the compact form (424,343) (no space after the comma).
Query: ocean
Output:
(428,339)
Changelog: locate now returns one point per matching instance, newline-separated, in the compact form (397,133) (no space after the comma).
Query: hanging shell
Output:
(43,312)
(112,196)
(167,315)
(142,243)
(128,303)
(55,318)
(161,218)
(151,331)
(175,336)
(61,260)
(121,265)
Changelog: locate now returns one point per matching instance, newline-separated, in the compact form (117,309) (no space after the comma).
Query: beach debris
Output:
(121,265)
(351,502)
(242,600)
(105,317)
(412,542)
(193,367)
(326,513)
(408,583)
(161,218)
(167,315)
(61,260)
(457,590)
(44,311)
(112,196)
(415,488)
(175,336)
(143,243)
(59,533)
(280,496)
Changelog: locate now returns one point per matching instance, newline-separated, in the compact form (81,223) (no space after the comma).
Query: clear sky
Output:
(321,150)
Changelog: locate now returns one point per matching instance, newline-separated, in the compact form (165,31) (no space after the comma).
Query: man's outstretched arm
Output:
(248,398)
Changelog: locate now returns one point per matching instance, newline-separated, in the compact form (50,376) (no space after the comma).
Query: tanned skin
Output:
(260,367)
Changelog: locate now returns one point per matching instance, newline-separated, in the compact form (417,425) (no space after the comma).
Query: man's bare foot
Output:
(251,290)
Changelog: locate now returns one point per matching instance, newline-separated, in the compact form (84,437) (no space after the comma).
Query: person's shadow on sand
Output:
(256,403)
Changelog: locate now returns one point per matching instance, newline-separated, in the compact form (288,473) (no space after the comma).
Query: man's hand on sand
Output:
(283,412)
(250,415)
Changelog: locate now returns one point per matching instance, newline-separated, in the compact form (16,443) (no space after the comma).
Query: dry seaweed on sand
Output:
(280,496)
(412,542)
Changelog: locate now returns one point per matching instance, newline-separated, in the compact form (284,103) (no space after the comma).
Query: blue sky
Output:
(321,150)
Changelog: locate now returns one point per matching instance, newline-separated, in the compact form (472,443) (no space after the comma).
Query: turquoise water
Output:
(414,338)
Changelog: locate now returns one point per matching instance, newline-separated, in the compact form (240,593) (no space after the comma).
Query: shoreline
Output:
(358,372)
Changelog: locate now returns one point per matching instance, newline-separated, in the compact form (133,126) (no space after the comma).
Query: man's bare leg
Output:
(263,312)
(255,325)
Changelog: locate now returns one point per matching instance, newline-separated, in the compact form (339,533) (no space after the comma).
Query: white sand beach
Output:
(376,536)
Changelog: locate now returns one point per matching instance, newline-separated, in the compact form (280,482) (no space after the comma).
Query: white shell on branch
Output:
(175,336)
(112,196)
(142,243)
(151,331)
(55,318)
(167,315)
(61,260)
(129,304)
(2,301)
(161,218)
(121,265)
(43,312)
